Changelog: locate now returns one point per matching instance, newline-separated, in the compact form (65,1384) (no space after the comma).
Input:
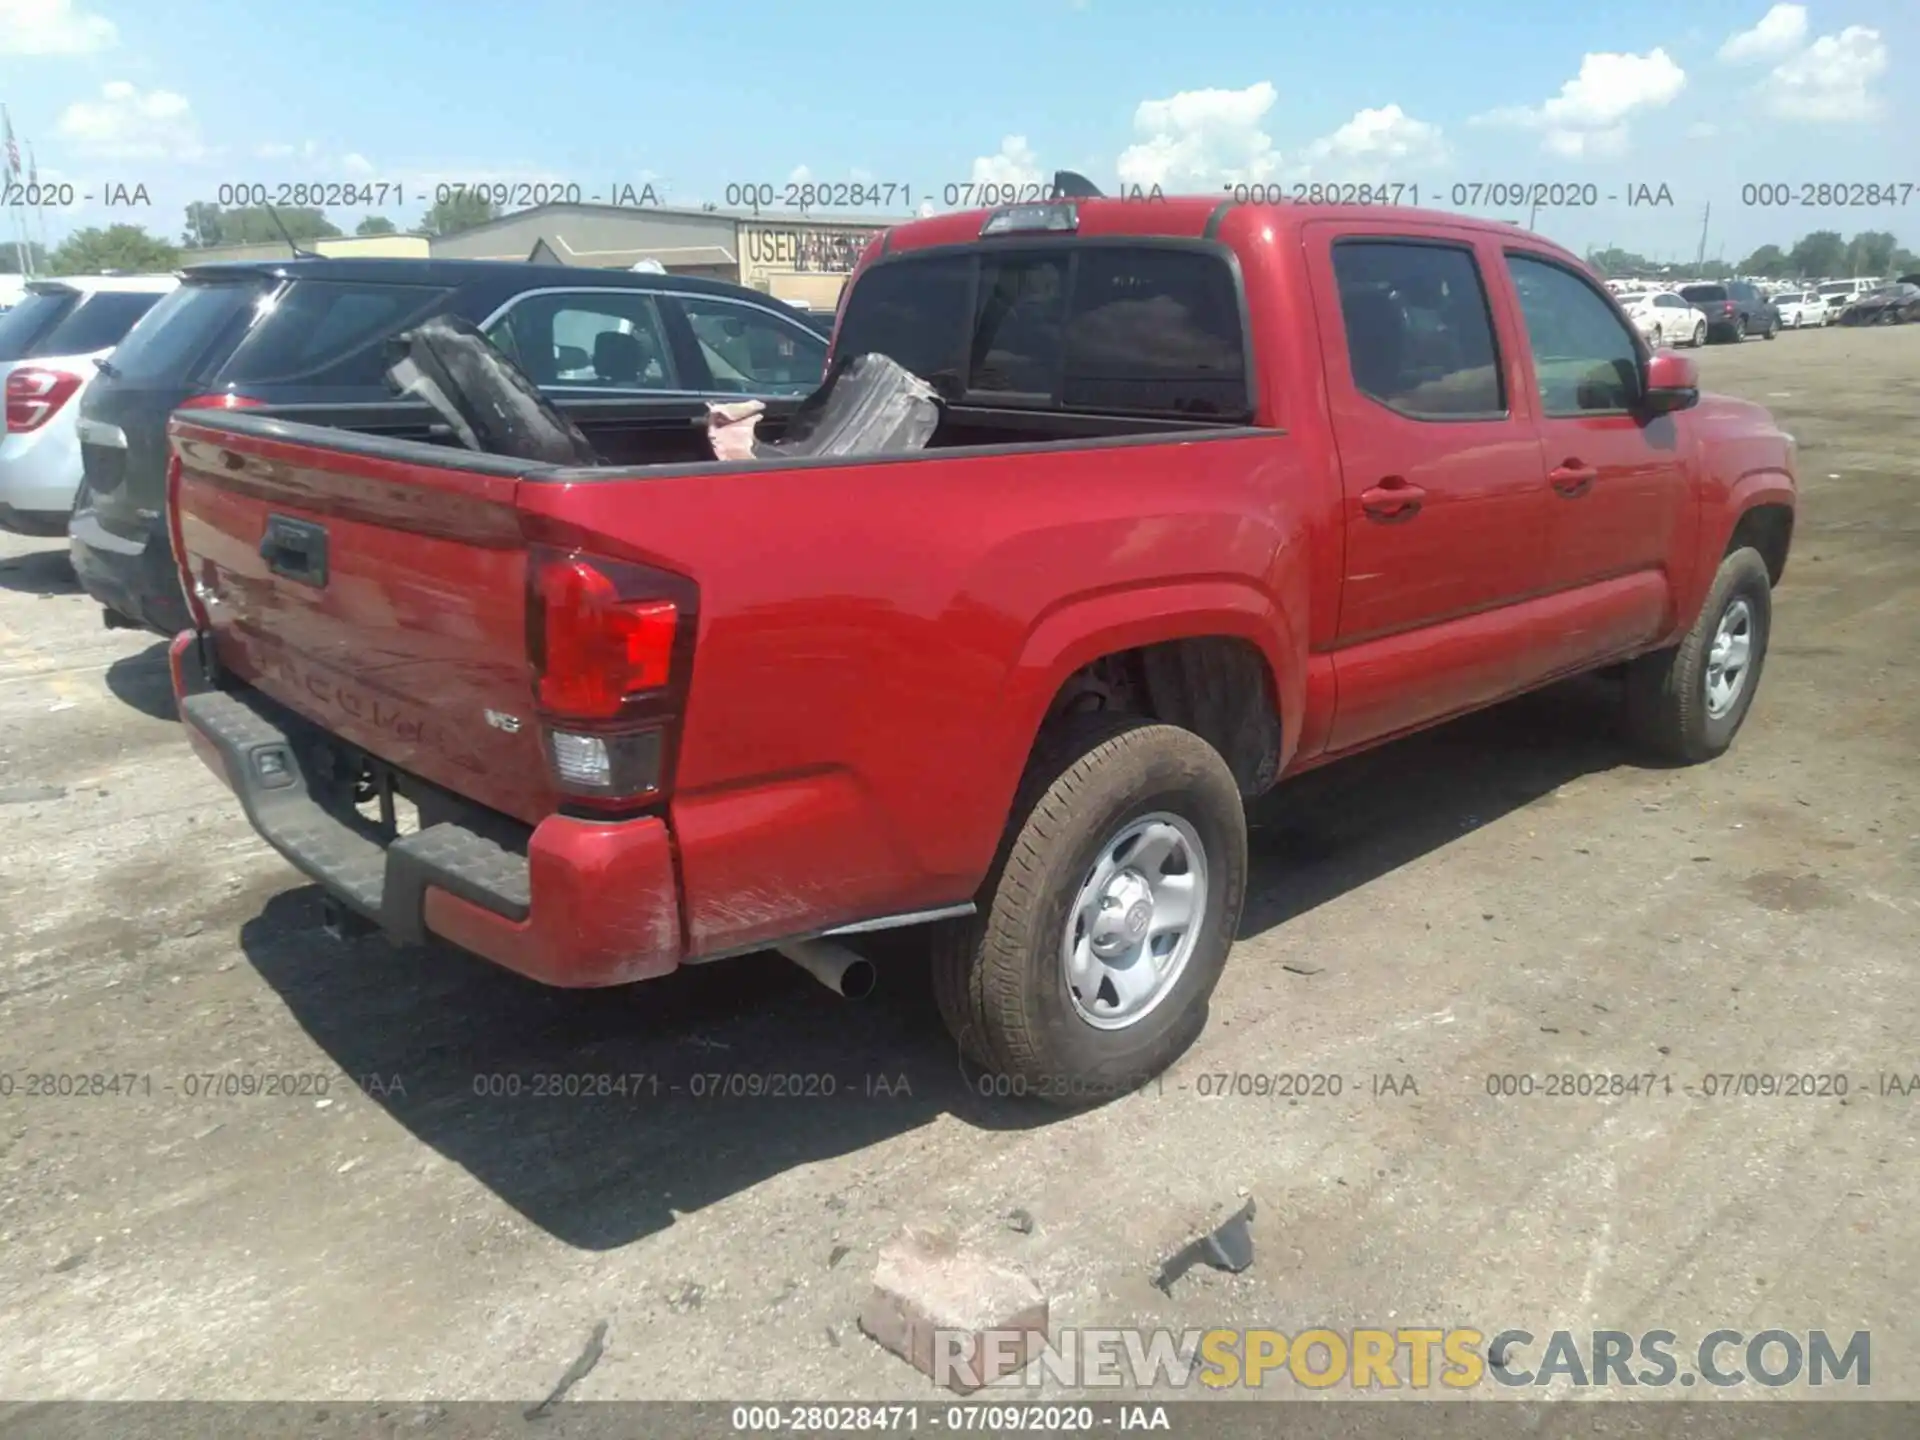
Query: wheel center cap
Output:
(1139,916)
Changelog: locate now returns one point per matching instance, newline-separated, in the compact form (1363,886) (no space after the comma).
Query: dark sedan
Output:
(1895,304)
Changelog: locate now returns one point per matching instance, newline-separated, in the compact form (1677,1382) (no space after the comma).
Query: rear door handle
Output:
(1392,500)
(1573,479)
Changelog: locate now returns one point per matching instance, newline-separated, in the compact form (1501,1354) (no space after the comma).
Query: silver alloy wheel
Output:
(1136,921)
(1700,333)
(1727,660)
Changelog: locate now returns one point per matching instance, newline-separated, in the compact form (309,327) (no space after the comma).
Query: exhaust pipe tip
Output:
(848,975)
(858,979)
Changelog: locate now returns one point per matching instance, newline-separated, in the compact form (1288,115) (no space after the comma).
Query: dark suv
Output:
(1734,310)
(309,337)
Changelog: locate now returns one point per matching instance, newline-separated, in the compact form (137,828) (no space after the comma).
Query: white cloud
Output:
(126,123)
(1832,79)
(1202,139)
(799,175)
(1375,146)
(1014,164)
(1587,119)
(52,27)
(1702,130)
(1780,31)
(354,163)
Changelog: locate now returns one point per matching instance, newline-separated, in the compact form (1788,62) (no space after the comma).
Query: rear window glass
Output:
(171,339)
(916,312)
(1095,327)
(1704,292)
(98,323)
(329,332)
(22,327)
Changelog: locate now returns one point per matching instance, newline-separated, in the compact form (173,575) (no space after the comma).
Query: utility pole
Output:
(1700,258)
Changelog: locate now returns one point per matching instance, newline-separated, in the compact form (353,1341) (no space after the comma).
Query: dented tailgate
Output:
(384,599)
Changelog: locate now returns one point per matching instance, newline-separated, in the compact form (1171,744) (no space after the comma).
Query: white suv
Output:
(49,344)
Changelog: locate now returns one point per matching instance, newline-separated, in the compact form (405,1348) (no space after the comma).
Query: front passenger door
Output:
(1618,478)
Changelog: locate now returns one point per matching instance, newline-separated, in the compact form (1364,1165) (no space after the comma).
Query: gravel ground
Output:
(1510,894)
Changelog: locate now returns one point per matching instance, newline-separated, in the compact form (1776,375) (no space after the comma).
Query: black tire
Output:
(1740,328)
(1667,711)
(998,977)
(1700,335)
(1773,329)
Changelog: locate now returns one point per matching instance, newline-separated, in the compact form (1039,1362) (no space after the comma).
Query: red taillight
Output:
(610,644)
(34,396)
(1726,307)
(600,649)
(219,401)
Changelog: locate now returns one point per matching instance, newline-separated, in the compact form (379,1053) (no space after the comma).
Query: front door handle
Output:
(1392,500)
(1573,479)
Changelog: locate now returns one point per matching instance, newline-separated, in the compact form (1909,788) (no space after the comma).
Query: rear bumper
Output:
(135,577)
(582,903)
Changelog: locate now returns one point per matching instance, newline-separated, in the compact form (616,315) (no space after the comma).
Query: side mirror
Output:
(1672,382)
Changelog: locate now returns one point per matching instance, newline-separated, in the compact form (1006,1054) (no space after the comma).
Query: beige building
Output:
(405,247)
(803,260)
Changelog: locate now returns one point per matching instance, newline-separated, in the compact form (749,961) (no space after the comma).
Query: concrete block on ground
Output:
(959,1318)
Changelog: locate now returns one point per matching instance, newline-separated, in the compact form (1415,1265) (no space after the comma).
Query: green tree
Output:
(1769,260)
(1904,262)
(209,224)
(376,225)
(1615,263)
(461,210)
(118,247)
(14,252)
(1821,253)
(1871,252)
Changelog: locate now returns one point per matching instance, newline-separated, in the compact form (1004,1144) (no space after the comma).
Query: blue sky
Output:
(185,95)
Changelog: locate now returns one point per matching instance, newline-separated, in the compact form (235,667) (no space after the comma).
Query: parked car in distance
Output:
(50,346)
(1219,493)
(1838,294)
(1663,318)
(313,333)
(1734,309)
(1802,309)
(1895,304)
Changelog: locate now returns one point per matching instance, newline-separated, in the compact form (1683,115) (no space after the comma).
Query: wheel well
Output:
(1217,686)
(1768,529)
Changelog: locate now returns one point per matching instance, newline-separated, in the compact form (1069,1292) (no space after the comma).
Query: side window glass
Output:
(1419,334)
(606,340)
(749,352)
(1586,361)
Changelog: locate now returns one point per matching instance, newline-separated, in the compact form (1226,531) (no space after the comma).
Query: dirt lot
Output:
(1510,894)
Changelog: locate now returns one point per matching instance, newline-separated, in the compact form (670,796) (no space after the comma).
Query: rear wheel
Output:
(1700,333)
(1773,328)
(1106,921)
(1687,703)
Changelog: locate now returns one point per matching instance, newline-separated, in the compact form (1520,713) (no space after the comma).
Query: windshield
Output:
(1705,292)
(24,326)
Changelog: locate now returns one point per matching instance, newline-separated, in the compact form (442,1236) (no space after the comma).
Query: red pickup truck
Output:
(1219,493)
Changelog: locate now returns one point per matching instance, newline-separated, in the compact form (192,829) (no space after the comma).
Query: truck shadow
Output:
(40,572)
(1336,829)
(142,682)
(602,1115)
(732,1073)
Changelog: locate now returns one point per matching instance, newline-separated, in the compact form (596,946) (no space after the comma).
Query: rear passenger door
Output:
(1444,506)
(1618,477)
